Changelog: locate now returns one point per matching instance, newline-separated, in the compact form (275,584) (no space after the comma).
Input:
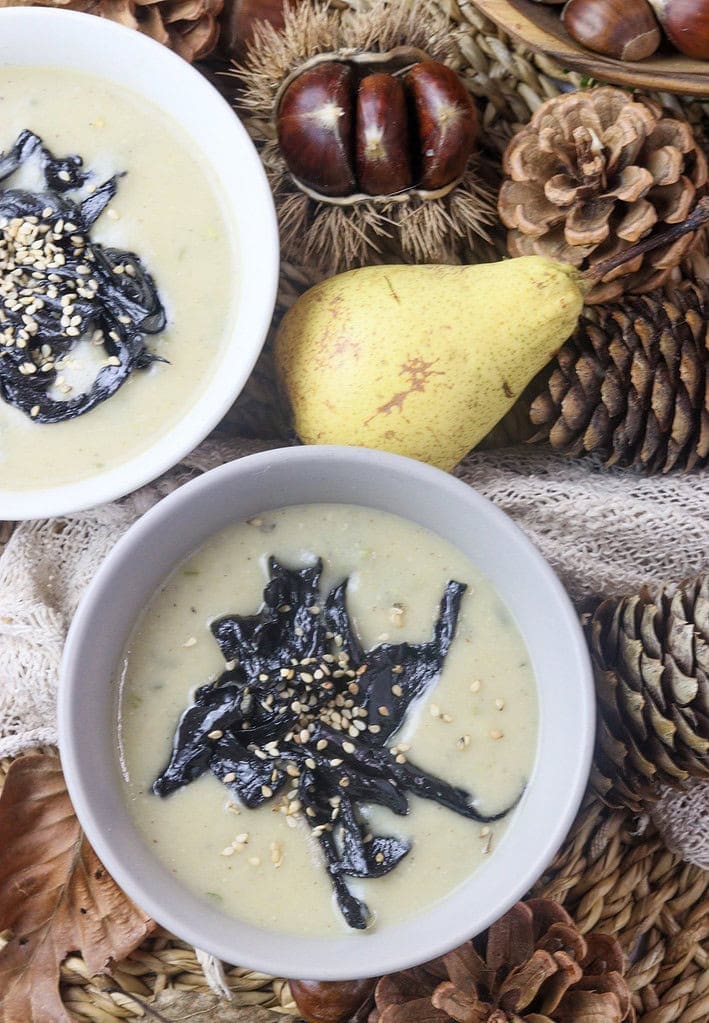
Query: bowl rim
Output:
(258,275)
(298,960)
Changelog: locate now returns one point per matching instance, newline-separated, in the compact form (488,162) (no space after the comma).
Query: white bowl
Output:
(182,522)
(96,46)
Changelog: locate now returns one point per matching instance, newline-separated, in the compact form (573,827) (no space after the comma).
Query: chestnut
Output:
(447,122)
(315,121)
(382,136)
(332,1001)
(686,25)
(624,29)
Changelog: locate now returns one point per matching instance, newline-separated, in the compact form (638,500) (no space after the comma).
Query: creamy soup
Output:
(168,212)
(474,726)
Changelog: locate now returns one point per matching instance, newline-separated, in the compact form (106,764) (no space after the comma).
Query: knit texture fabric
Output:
(604,532)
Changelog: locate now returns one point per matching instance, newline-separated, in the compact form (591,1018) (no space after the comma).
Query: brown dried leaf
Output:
(55,895)
(204,1007)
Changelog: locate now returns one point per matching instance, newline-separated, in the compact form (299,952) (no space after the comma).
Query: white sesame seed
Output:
(499,703)
(495,733)
(230,777)
(216,734)
(475,686)
(190,642)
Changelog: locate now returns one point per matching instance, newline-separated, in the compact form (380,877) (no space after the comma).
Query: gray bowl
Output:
(173,530)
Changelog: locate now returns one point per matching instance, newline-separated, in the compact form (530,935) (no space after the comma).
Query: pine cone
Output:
(630,386)
(593,173)
(190,27)
(651,660)
(533,966)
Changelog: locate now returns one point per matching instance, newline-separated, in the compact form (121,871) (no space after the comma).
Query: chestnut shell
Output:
(321,1001)
(382,135)
(315,128)
(447,122)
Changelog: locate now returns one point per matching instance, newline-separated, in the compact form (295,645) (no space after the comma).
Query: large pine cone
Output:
(533,966)
(631,385)
(651,659)
(593,173)
(190,27)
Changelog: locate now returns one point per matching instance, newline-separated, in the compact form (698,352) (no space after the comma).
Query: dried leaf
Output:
(55,895)
(203,1007)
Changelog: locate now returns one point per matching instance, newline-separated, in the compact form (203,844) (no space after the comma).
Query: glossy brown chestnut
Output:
(686,25)
(315,128)
(624,29)
(332,1001)
(447,123)
(382,136)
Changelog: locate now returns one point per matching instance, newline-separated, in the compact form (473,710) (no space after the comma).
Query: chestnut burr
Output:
(382,136)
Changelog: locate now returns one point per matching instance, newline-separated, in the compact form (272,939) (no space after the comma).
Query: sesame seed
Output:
(216,734)
(112,214)
(463,742)
(314,609)
(384,711)
(266,791)
(499,703)
(400,758)
(34,411)
(344,782)
(254,861)
(447,718)
(379,857)
(495,733)
(397,669)
(397,691)
(321,744)
(230,777)
(228,851)
(310,763)
(242,839)
(190,642)
(348,747)
(335,762)
(475,686)
(434,710)
(374,729)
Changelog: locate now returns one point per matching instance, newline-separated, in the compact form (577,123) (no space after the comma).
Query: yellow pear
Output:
(425,360)
(421,360)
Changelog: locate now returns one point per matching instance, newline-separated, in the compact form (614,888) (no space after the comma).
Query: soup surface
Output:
(167,211)
(475,727)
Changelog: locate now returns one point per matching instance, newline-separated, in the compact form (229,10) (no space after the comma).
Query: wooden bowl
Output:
(539,27)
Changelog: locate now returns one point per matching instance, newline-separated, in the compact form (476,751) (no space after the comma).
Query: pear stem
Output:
(698,217)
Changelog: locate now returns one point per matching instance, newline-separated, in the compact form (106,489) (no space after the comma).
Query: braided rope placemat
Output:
(613,873)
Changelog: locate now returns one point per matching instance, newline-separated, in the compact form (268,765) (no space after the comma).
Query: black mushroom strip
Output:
(60,290)
(302,705)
